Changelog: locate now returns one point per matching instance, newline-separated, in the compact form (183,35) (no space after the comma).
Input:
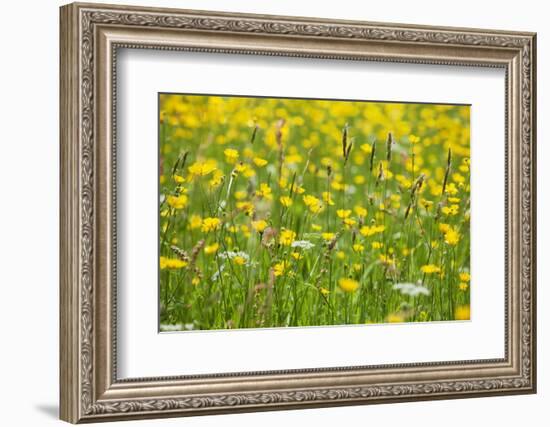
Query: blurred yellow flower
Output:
(359,179)
(195,222)
(211,249)
(313,203)
(177,202)
(357,247)
(452,237)
(366,148)
(178,179)
(443,227)
(259,225)
(348,285)
(430,268)
(210,224)
(464,277)
(386,260)
(360,210)
(239,260)
(327,198)
(231,155)
(258,161)
(368,231)
(240,194)
(377,245)
(264,191)
(450,210)
(462,312)
(285,201)
(172,263)
(349,222)
(328,236)
(279,268)
(246,207)
(202,168)
(343,213)
(217,178)
(287,237)
(395,318)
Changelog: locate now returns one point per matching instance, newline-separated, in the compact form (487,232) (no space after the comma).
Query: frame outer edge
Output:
(534,269)
(77,338)
(69,354)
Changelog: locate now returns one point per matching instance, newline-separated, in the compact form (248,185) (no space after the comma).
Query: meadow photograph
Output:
(282,212)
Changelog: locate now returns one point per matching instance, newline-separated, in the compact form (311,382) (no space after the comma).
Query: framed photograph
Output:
(266,212)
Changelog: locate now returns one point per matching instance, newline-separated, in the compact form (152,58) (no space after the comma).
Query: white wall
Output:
(29,170)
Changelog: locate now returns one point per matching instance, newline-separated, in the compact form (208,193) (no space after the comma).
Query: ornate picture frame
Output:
(90,37)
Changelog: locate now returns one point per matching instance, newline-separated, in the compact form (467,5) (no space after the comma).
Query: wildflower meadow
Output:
(299,212)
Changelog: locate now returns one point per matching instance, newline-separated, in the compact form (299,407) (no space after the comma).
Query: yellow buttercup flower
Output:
(328,236)
(386,260)
(240,194)
(368,231)
(452,237)
(313,203)
(462,312)
(177,202)
(430,268)
(348,285)
(366,148)
(211,249)
(451,210)
(343,213)
(458,178)
(296,255)
(287,237)
(360,210)
(395,318)
(327,198)
(202,168)
(280,268)
(357,247)
(171,263)
(359,179)
(246,207)
(444,227)
(258,161)
(413,139)
(377,245)
(464,277)
(285,201)
(259,225)
(210,224)
(349,222)
(239,260)
(245,170)
(298,189)
(231,155)
(217,178)
(264,191)
(195,222)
